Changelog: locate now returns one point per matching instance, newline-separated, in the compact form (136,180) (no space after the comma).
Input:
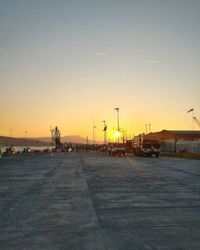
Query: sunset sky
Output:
(67,62)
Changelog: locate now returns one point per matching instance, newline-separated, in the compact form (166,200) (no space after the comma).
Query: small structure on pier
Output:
(56,137)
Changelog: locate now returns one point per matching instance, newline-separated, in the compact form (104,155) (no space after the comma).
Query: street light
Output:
(117,109)
(149,127)
(105,131)
(11,135)
(146,128)
(26,138)
(192,110)
(93,130)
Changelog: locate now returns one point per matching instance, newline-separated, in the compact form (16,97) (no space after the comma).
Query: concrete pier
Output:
(82,201)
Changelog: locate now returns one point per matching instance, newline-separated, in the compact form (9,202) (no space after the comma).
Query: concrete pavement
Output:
(92,201)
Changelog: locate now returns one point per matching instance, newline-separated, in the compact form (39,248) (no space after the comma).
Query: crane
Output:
(197,121)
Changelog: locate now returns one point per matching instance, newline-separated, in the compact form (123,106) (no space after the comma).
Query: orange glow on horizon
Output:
(83,127)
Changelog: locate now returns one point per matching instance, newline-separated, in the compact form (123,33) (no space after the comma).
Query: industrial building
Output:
(178,140)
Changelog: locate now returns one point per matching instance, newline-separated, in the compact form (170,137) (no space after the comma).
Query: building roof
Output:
(176,134)
(189,132)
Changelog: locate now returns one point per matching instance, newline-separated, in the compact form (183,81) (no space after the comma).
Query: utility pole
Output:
(146,128)
(192,110)
(11,135)
(93,129)
(26,138)
(86,148)
(118,128)
(149,128)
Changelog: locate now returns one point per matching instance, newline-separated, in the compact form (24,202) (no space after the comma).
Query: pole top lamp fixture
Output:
(190,110)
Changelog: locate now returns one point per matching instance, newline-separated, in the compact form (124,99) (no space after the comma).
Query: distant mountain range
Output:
(41,141)
(11,141)
(69,138)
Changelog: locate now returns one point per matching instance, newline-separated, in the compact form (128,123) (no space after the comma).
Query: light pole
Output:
(11,135)
(86,146)
(149,127)
(11,130)
(105,132)
(117,109)
(146,128)
(192,110)
(26,138)
(93,130)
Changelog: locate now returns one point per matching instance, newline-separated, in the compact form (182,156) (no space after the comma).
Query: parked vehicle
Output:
(144,146)
(117,149)
(10,151)
(26,150)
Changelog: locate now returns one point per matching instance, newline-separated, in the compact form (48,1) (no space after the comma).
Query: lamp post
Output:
(146,128)
(149,127)
(11,130)
(105,132)
(117,109)
(93,130)
(11,135)
(192,110)
(86,145)
(26,138)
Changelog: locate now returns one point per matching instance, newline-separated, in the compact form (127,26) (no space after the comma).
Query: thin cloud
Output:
(101,53)
(152,61)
